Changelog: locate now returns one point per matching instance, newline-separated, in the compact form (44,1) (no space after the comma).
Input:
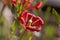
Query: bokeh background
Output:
(50,13)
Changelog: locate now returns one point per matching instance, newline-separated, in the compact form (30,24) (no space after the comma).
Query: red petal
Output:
(38,5)
(33,28)
(37,21)
(24,12)
(30,16)
(22,20)
(27,6)
(22,17)
(34,19)
(31,7)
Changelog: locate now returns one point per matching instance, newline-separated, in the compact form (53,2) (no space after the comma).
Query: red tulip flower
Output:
(30,21)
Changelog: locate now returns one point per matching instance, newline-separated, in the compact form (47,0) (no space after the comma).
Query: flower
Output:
(29,6)
(26,4)
(30,21)
(38,5)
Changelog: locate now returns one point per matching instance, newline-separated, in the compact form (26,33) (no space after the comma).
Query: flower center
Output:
(29,22)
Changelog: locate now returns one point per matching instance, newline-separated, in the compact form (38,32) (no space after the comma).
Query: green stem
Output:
(21,37)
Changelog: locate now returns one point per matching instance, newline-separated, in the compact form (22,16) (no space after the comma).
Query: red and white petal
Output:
(38,21)
(23,20)
(30,16)
(24,13)
(31,28)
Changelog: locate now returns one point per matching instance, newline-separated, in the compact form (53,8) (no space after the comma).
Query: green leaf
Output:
(49,32)
(16,25)
(1,27)
(13,28)
(29,36)
(56,15)
(19,9)
(47,15)
(22,36)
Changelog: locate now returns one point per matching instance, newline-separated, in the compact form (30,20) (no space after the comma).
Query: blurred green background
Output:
(11,29)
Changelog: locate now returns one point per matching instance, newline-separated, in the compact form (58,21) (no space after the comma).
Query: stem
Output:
(22,34)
